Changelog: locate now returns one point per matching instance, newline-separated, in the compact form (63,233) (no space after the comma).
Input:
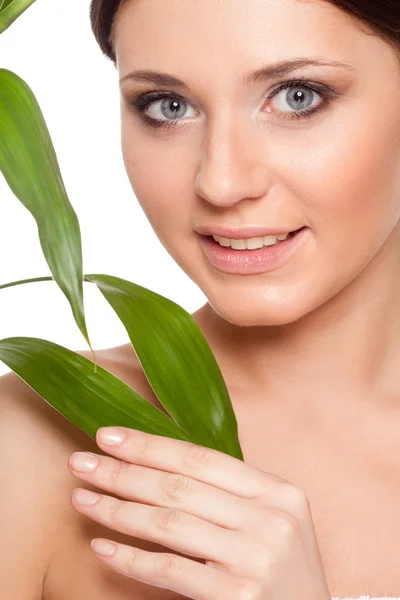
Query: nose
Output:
(233,165)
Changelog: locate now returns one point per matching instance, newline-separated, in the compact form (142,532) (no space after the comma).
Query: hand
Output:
(253,529)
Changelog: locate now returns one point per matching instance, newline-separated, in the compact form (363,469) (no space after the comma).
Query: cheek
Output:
(345,182)
(351,198)
(348,189)
(160,183)
(354,199)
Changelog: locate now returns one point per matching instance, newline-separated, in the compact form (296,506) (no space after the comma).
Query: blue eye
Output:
(296,97)
(171,103)
(174,106)
(171,108)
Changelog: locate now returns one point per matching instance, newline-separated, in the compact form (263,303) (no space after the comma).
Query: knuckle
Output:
(174,485)
(296,498)
(249,590)
(287,526)
(130,564)
(197,456)
(167,566)
(140,442)
(114,474)
(265,562)
(167,518)
(113,512)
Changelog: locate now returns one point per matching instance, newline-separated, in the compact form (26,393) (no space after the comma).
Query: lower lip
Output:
(244,262)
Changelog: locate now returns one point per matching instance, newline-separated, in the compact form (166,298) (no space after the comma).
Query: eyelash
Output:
(140,103)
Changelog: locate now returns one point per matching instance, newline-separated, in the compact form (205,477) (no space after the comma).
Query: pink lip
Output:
(246,262)
(244,232)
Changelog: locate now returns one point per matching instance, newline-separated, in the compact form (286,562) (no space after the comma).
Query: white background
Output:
(52,47)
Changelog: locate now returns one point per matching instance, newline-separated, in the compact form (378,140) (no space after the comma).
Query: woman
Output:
(275,186)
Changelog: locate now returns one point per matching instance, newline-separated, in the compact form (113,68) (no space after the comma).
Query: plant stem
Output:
(6,285)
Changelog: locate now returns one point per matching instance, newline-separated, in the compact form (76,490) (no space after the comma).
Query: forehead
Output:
(189,36)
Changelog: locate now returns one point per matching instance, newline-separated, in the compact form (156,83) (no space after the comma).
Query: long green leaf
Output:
(10,10)
(173,353)
(29,164)
(177,361)
(5,3)
(89,400)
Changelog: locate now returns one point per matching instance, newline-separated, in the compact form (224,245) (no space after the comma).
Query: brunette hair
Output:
(378,18)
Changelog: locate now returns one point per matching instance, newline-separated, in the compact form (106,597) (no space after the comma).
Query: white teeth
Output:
(269,240)
(254,243)
(238,244)
(251,243)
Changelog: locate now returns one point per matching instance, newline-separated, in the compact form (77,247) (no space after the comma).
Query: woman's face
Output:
(235,155)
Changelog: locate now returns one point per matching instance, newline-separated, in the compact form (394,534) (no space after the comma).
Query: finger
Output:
(159,488)
(177,456)
(169,571)
(169,527)
(209,466)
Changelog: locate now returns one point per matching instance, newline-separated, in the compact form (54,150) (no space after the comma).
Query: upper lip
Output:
(245,232)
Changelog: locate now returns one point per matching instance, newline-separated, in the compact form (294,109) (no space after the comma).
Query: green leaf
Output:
(5,3)
(89,400)
(10,10)
(177,361)
(29,164)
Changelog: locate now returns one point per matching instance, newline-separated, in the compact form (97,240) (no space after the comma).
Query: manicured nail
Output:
(84,462)
(86,497)
(103,547)
(111,436)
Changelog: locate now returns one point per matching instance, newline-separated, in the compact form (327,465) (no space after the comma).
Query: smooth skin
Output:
(254,529)
(321,333)
(329,319)
(310,351)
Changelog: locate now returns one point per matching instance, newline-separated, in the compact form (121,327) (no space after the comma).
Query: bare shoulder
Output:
(39,441)
(35,444)
(20,400)
(27,412)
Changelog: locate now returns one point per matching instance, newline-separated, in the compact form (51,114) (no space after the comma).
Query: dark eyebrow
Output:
(268,72)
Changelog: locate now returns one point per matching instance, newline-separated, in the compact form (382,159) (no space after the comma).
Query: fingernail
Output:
(103,547)
(86,497)
(83,462)
(111,436)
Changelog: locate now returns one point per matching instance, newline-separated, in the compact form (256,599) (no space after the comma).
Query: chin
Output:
(260,312)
